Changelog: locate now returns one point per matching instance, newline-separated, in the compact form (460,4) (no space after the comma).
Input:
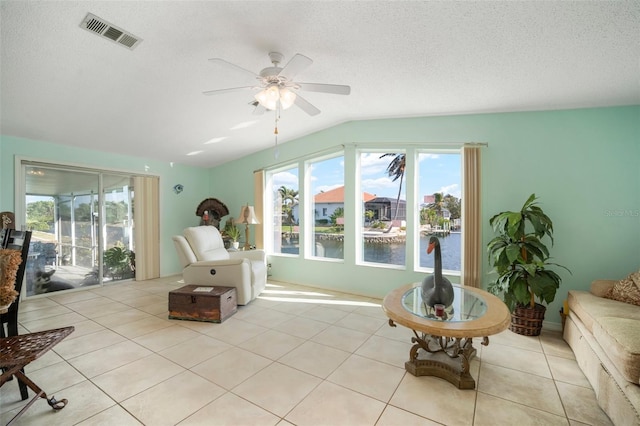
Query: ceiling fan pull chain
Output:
(276,152)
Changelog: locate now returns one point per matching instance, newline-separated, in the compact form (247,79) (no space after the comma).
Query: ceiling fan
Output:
(277,88)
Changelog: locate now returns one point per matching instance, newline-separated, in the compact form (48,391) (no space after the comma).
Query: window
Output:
(398,192)
(326,186)
(383,198)
(284,201)
(439,207)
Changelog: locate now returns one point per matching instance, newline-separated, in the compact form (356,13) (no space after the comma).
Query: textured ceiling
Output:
(66,85)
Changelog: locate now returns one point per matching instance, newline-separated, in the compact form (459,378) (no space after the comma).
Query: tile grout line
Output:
(159,288)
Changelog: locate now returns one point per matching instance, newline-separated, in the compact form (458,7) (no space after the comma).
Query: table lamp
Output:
(248,217)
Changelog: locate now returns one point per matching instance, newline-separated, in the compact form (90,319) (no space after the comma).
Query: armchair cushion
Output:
(206,243)
(185,254)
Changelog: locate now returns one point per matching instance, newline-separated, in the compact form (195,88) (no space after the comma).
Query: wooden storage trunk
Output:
(200,303)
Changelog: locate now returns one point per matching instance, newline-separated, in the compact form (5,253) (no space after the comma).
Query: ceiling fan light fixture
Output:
(287,98)
(272,94)
(278,88)
(269,97)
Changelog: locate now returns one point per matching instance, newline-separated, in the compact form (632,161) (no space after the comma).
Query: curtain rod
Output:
(300,157)
(335,147)
(428,144)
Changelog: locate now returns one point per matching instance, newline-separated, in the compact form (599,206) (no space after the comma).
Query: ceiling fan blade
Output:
(296,64)
(336,89)
(227,63)
(229,90)
(304,105)
(259,109)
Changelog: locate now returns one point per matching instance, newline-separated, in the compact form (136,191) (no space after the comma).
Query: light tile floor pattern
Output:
(294,356)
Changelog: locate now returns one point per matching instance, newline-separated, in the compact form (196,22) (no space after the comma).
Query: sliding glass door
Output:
(82,227)
(119,254)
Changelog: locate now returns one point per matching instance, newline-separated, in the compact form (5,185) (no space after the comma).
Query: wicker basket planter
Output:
(520,259)
(527,321)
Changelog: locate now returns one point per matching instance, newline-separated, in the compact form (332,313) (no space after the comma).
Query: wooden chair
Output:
(17,240)
(16,352)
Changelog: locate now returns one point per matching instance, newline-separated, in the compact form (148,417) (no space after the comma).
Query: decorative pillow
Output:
(9,262)
(626,290)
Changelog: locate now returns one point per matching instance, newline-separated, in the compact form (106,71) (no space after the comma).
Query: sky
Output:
(437,173)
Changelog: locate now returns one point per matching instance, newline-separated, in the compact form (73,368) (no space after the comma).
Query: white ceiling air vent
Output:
(110,32)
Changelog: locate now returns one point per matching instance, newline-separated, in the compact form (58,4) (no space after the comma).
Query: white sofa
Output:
(605,337)
(207,263)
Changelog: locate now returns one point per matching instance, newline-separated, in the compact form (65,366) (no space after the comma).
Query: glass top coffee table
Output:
(443,342)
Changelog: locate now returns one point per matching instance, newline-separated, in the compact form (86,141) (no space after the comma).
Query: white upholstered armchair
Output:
(207,263)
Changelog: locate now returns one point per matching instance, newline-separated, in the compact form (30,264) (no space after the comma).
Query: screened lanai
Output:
(82,227)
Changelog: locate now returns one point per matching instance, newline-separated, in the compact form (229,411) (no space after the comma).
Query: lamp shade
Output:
(272,94)
(287,98)
(269,97)
(247,216)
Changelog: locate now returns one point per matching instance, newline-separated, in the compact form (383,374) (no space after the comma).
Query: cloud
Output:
(371,164)
(287,179)
(379,185)
(453,189)
(423,157)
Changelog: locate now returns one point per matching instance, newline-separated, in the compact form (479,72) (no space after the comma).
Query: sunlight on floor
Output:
(290,292)
(293,296)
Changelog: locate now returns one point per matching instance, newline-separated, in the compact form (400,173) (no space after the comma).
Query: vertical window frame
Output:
(360,209)
(270,211)
(309,206)
(417,253)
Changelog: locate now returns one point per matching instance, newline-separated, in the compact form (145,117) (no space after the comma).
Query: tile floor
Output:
(295,356)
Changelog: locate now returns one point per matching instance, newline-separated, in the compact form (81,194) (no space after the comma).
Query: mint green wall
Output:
(176,211)
(582,164)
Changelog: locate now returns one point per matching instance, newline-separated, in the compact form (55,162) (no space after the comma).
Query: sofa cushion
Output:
(626,290)
(589,307)
(619,398)
(620,338)
(601,287)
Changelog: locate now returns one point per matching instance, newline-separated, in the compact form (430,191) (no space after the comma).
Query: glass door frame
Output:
(20,206)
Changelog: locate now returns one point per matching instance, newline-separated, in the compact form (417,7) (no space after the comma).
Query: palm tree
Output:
(338,213)
(435,208)
(289,196)
(395,170)
(438,202)
(369,215)
(426,215)
(289,200)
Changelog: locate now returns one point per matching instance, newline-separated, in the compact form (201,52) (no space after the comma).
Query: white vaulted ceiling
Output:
(65,85)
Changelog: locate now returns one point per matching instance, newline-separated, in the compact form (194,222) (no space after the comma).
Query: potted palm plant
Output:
(233,232)
(520,258)
(119,262)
